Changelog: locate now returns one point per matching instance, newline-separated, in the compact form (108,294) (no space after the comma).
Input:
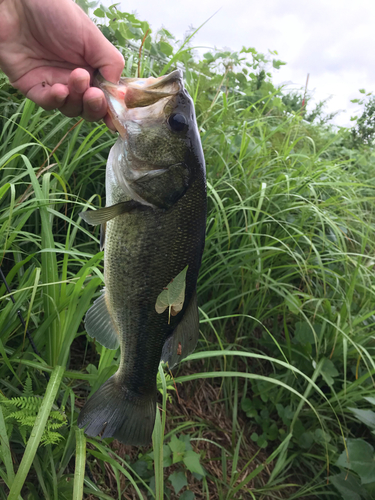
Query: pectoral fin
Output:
(100,326)
(102,215)
(185,336)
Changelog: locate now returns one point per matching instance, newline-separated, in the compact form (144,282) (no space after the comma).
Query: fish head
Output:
(156,122)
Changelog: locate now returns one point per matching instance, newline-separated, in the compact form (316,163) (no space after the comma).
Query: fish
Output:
(153,235)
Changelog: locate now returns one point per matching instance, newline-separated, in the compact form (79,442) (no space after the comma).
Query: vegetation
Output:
(277,401)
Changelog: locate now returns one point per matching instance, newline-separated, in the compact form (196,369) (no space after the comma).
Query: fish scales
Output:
(146,246)
(154,229)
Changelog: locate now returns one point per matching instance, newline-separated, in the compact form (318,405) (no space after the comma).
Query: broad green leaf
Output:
(306,440)
(246,405)
(187,495)
(178,448)
(99,13)
(173,296)
(192,462)
(166,48)
(303,333)
(347,485)
(293,303)
(365,416)
(186,439)
(178,480)
(328,371)
(321,437)
(361,459)
(167,459)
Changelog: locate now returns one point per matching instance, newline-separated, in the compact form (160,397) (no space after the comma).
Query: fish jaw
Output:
(137,99)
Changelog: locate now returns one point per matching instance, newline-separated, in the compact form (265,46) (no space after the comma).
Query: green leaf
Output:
(321,437)
(209,57)
(262,441)
(347,485)
(167,459)
(187,495)
(166,48)
(186,439)
(141,468)
(192,462)
(178,448)
(361,459)
(99,13)
(362,91)
(367,417)
(246,405)
(276,64)
(178,480)
(293,303)
(328,371)
(306,440)
(303,333)
(173,296)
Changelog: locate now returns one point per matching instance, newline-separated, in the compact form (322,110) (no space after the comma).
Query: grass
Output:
(263,408)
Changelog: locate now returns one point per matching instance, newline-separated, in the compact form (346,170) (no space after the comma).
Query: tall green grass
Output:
(286,295)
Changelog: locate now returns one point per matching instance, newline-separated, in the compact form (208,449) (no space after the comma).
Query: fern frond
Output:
(51,438)
(31,403)
(28,387)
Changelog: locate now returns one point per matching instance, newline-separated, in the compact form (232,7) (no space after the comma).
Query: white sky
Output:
(333,40)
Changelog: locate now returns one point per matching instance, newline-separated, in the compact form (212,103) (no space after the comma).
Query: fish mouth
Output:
(127,99)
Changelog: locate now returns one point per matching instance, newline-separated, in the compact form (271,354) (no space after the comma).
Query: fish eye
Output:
(178,122)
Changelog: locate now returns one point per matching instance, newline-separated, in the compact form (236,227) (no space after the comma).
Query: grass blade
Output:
(36,434)
(79,474)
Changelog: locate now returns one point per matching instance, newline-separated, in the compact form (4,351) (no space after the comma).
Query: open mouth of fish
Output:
(137,99)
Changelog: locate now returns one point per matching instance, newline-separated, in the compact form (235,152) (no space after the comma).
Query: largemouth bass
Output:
(153,230)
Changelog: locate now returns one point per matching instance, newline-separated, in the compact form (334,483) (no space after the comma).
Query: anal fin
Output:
(100,325)
(185,336)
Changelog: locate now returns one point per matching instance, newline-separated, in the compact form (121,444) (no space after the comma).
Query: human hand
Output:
(49,51)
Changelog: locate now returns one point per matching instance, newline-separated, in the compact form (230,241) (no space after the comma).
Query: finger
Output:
(108,121)
(78,83)
(101,54)
(48,97)
(94,105)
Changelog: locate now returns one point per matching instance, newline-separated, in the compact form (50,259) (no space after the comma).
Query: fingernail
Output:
(95,104)
(80,85)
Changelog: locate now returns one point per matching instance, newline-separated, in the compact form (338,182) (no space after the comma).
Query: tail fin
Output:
(120,413)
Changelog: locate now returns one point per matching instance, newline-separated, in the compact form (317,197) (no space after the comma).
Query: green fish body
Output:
(154,226)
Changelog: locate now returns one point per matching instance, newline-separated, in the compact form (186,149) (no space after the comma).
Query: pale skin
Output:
(49,49)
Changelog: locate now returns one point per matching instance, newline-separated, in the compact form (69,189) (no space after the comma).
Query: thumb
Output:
(101,54)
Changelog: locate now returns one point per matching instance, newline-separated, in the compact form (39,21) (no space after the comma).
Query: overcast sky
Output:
(333,40)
